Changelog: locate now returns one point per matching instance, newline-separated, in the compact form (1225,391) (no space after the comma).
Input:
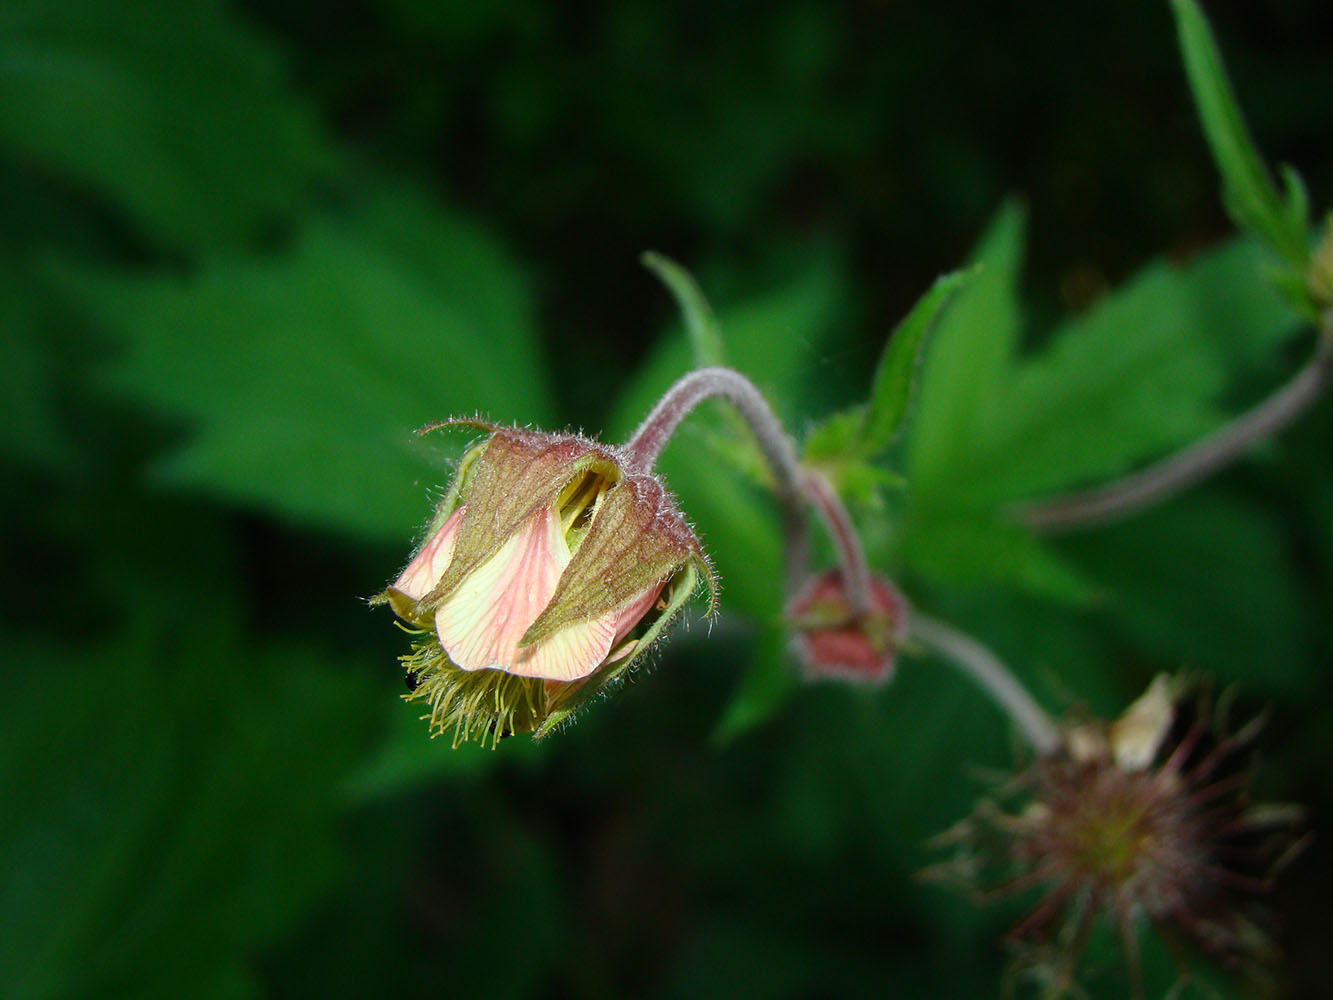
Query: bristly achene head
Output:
(547,571)
(1144,819)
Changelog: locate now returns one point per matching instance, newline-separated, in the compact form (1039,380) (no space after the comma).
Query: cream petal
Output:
(481,623)
(578,650)
(426,568)
(570,654)
(1138,734)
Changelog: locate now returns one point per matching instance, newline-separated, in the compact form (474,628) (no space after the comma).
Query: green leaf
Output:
(966,360)
(891,391)
(705,337)
(29,368)
(1136,376)
(406,759)
(1248,191)
(164,820)
(974,548)
(176,112)
(300,377)
(1204,583)
(767,684)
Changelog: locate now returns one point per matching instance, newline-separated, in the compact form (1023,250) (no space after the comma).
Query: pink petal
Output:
(481,623)
(570,654)
(633,612)
(578,650)
(426,568)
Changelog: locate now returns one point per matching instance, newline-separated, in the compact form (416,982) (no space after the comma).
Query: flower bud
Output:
(547,571)
(830,641)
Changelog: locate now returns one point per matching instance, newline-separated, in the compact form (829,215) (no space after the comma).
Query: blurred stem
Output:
(985,668)
(797,485)
(1177,472)
(851,556)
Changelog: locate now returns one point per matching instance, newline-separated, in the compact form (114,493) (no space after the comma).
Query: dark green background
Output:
(244,249)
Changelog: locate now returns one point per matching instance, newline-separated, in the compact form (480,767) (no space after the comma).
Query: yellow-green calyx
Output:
(547,571)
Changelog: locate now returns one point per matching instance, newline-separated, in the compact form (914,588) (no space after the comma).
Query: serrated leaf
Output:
(1137,375)
(891,390)
(300,377)
(966,360)
(159,830)
(1248,190)
(406,759)
(972,548)
(29,425)
(176,112)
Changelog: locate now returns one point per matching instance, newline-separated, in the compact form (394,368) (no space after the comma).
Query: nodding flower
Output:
(548,570)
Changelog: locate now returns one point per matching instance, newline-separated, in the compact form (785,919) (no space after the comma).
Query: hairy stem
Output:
(647,442)
(1169,476)
(992,676)
(846,542)
(796,485)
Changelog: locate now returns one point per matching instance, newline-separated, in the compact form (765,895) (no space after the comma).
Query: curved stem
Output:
(647,442)
(1187,467)
(851,556)
(983,667)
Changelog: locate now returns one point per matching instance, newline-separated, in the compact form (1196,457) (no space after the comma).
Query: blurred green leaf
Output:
(1248,191)
(949,534)
(176,112)
(967,359)
(895,376)
(971,548)
(700,324)
(1207,583)
(766,685)
(29,427)
(1138,374)
(409,757)
(164,817)
(300,377)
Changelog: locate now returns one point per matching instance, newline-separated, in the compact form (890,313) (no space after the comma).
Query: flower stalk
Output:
(984,668)
(797,486)
(1171,475)
(646,443)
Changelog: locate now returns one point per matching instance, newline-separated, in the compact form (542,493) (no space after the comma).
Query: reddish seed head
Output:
(1143,819)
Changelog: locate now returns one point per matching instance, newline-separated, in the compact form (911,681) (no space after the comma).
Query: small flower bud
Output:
(830,641)
(547,571)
